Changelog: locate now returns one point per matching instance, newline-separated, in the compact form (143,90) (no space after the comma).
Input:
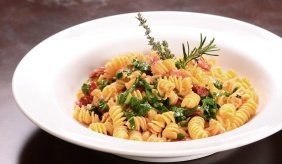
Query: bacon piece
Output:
(153,58)
(97,72)
(202,91)
(203,64)
(84,100)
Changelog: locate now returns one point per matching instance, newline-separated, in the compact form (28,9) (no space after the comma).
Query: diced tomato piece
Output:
(93,86)
(202,91)
(84,100)
(97,72)
(203,64)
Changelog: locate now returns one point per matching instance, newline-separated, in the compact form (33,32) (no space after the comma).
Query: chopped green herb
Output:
(141,66)
(122,98)
(132,123)
(210,107)
(143,109)
(103,105)
(119,75)
(183,123)
(217,84)
(127,72)
(85,88)
(181,114)
(128,114)
(102,84)
(180,136)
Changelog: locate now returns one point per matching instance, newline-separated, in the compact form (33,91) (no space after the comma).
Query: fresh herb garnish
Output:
(141,66)
(132,123)
(217,84)
(85,88)
(119,75)
(161,47)
(183,123)
(128,114)
(102,84)
(181,114)
(122,98)
(210,107)
(180,136)
(196,52)
(103,105)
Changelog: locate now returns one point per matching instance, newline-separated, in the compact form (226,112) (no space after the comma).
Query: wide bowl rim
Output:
(131,151)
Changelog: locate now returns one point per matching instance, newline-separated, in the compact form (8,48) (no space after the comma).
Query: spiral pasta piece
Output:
(173,98)
(120,132)
(165,87)
(98,127)
(163,67)
(116,114)
(182,85)
(140,123)
(196,128)
(97,96)
(171,131)
(244,113)
(215,127)
(135,135)
(113,66)
(83,115)
(152,137)
(191,100)
(109,92)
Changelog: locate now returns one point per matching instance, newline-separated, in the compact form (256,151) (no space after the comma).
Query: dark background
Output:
(24,23)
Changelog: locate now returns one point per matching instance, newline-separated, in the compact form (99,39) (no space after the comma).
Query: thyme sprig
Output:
(196,52)
(160,47)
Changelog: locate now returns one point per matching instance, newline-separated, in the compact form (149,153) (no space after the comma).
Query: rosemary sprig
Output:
(196,52)
(161,47)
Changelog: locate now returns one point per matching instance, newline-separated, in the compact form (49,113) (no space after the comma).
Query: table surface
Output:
(24,23)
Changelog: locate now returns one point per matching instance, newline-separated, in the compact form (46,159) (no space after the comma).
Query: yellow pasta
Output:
(98,127)
(85,116)
(191,100)
(196,128)
(171,131)
(156,97)
(116,115)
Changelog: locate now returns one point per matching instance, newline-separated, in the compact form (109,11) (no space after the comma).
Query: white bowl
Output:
(46,80)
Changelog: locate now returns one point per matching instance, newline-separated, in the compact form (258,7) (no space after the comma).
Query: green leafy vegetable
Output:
(128,114)
(119,75)
(196,52)
(122,98)
(181,114)
(161,47)
(132,123)
(85,88)
(217,84)
(102,84)
(103,105)
(210,107)
(180,136)
(183,123)
(141,66)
